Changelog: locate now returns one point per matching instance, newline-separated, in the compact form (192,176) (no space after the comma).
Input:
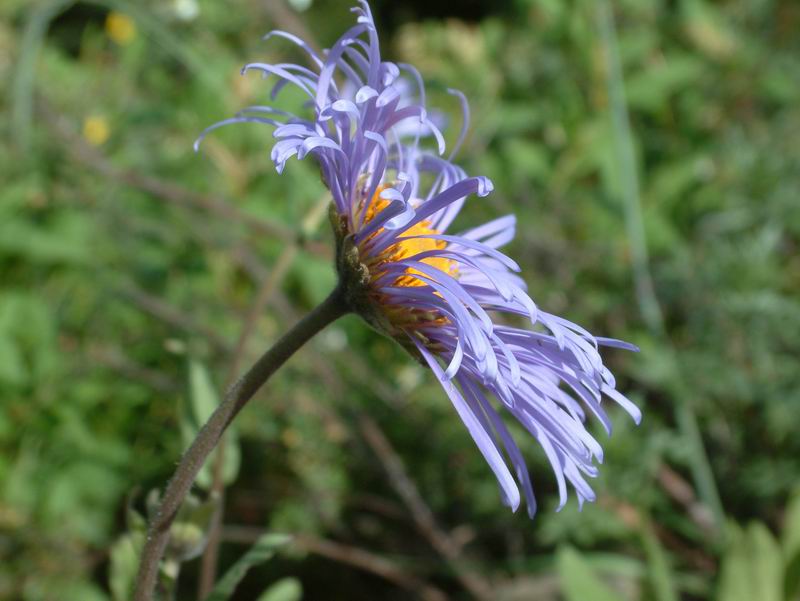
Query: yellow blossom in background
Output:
(96,130)
(120,28)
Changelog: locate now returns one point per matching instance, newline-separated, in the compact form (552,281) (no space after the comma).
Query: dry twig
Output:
(349,555)
(422,514)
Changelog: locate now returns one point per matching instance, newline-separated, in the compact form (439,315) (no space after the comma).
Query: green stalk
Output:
(650,308)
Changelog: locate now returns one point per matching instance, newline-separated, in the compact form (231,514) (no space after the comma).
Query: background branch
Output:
(422,514)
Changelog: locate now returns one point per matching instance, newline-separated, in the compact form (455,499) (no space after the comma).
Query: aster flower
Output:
(395,196)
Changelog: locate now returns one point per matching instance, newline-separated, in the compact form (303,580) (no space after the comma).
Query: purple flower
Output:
(394,200)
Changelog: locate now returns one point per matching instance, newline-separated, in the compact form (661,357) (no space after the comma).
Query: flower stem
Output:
(236,398)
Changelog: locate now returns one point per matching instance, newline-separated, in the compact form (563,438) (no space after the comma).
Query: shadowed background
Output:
(651,151)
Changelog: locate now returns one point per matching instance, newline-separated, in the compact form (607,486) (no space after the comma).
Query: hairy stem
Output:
(236,398)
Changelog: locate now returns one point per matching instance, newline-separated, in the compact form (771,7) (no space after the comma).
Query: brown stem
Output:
(237,397)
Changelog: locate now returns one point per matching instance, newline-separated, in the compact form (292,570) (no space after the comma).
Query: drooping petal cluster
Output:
(396,195)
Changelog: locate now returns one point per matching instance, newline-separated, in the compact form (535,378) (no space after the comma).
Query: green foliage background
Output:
(658,204)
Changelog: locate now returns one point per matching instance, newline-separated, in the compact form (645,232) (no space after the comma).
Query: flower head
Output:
(394,201)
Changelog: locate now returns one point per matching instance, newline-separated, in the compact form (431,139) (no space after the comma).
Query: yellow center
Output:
(406,247)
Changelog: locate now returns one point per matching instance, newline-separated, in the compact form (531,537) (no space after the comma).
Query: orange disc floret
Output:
(407,246)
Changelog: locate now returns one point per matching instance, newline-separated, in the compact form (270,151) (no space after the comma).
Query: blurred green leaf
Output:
(285,589)
(263,550)
(752,567)
(12,366)
(791,547)
(652,87)
(124,565)
(65,240)
(578,580)
(708,29)
(660,573)
(37,23)
(204,394)
(316,277)
(204,401)
(791,527)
